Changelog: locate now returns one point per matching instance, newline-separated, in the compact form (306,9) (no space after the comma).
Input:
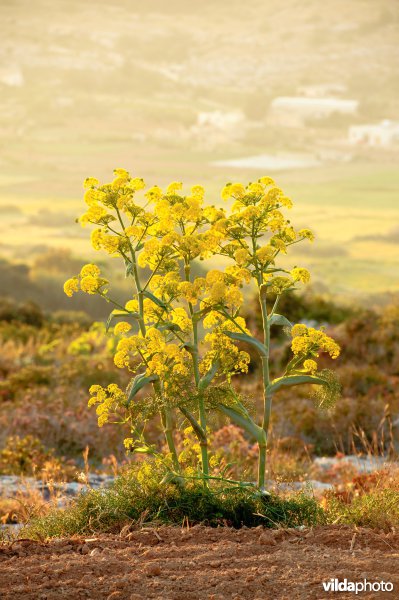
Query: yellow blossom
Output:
(265,254)
(256,189)
(198,191)
(214,276)
(95,238)
(266,181)
(90,269)
(298,329)
(300,274)
(310,365)
(90,182)
(122,327)
(154,193)
(309,341)
(306,233)
(136,184)
(89,284)
(174,187)
(71,286)
(242,256)
(122,173)
(95,214)
(132,305)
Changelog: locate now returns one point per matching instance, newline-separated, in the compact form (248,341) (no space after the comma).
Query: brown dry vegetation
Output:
(48,364)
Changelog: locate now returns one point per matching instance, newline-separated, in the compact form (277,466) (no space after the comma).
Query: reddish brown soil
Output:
(200,563)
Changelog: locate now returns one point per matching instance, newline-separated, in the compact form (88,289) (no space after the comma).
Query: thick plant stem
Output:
(167,423)
(201,405)
(267,398)
(262,465)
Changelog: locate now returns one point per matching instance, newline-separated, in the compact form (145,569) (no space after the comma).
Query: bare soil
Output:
(171,563)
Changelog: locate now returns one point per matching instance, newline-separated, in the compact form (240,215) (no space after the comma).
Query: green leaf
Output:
(143,450)
(201,313)
(170,327)
(207,378)
(277,319)
(194,423)
(129,268)
(154,299)
(291,380)
(139,382)
(242,419)
(243,337)
(115,314)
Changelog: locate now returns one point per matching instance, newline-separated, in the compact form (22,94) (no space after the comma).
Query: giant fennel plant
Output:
(160,234)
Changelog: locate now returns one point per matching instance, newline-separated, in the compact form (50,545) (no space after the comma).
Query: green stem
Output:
(262,465)
(167,423)
(203,441)
(267,397)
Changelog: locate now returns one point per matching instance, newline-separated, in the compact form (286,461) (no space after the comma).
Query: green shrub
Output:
(137,496)
(378,509)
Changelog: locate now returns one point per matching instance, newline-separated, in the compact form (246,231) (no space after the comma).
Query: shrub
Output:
(137,497)
(28,456)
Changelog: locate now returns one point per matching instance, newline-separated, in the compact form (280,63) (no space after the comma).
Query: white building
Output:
(215,127)
(217,119)
(295,110)
(382,134)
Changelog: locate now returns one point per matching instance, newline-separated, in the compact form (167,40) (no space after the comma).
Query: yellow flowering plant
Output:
(254,234)
(158,239)
(160,234)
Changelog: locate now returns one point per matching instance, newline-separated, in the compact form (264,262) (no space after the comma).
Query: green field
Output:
(352,208)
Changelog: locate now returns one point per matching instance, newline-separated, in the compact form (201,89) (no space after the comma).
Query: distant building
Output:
(382,134)
(218,126)
(217,119)
(296,110)
(322,90)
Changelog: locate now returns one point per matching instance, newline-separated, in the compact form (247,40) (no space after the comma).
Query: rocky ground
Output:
(172,563)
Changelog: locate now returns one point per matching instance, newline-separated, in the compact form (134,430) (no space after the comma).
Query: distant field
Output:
(353,209)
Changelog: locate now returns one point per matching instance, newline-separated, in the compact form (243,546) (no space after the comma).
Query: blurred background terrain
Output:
(305,92)
(224,91)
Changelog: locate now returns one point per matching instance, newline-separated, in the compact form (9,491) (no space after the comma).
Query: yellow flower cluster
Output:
(166,287)
(122,327)
(160,357)
(108,400)
(157,255)
(310,366)
(223,350)
(278,284)
(308,341)
(257,212)
(300,274)
(88,281)
(223,288)
(192,291)
(101,240)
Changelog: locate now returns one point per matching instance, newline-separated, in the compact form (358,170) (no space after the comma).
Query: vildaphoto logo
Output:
(334,585)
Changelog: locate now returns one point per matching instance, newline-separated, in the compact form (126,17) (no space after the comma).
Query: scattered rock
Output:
(85,549)
(362,464)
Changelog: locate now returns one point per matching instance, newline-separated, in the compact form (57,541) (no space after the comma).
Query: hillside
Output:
(168,91)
